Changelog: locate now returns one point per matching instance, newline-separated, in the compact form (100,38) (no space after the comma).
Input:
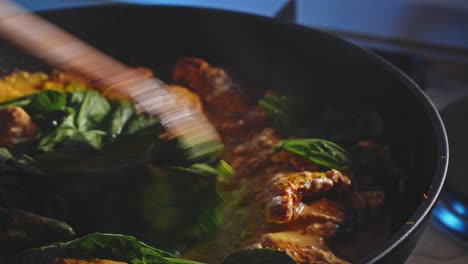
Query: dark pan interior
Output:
(264,54)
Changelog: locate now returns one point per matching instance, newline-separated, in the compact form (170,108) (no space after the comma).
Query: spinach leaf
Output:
(180,205)
(93,138)
(20,230)
(20,188)
(283,110)
(47,101)
(259,256)
(67,131)
(222,170)
(90,171)
(122,111)
(225,171)
(322,152)
(80,117)
(138,123)
(13,193)
(204,150)
(91,108)
(63,131)
(300,118)
(102,246)
(87,117)
(5,154)
(22,101)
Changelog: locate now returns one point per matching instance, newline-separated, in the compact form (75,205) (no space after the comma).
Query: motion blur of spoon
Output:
(66,52)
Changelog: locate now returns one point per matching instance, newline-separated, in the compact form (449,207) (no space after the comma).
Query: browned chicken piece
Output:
(79,261)
(16,126)
(66,78)
(257,153)
(226,107)
(253,154)
(281,198)
(237,125)
(303,247)
(213,84)
(191,99)
(199,75)
(321,210)
(323,229)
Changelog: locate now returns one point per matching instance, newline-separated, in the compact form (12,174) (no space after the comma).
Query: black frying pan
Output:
(265,54)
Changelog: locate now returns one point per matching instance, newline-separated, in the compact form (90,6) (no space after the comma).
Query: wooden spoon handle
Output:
(54,45)
(61,49)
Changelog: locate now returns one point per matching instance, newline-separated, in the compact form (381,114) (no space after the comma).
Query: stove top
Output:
(446,238)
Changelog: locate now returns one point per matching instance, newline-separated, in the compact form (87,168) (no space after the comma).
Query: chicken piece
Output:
(281,198)
(59,77)
(321,210)
(254,154)
(213,84)
(191,99)
(257,153)
(16,126)
(79,261)
(201,76)
(323,229)
(227,107)
(304,248)
(232,126)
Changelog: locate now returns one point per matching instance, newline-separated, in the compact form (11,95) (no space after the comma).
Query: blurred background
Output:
(427,39)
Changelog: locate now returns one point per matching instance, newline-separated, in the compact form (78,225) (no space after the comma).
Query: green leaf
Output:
(102,246)
(122,111)
(138,123)
(93,138)
(203,150)
(86,172)
(91,108)
(222,169)
(300,118)
(259,256)
(322,152)
(200,169)
(225,171)
(47,101)
(281,109)
(5,154)
(21,102)
(64,131)
(20,230)
(180,205)
(125,151)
